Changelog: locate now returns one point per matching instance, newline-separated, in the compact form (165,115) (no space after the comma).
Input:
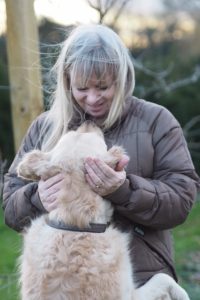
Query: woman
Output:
(152,192)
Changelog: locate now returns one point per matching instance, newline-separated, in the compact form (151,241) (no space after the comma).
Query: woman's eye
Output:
(82,89)
(103,88)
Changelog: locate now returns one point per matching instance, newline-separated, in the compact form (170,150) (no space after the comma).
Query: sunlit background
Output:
(66,12)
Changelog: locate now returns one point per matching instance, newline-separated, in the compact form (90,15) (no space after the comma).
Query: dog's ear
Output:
(33,165)
(114,155)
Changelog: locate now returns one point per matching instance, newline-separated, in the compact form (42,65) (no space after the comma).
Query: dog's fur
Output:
(58,264)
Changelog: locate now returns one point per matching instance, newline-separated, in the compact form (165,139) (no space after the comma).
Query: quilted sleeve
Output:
(21,201)
(164,200)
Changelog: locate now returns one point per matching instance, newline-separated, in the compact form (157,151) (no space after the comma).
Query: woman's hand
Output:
(102,178)
(49,191)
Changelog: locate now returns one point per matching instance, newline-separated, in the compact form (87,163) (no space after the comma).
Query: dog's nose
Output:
(89,123)
(88,126)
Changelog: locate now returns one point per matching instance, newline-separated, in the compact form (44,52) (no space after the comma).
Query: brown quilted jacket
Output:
(158,194)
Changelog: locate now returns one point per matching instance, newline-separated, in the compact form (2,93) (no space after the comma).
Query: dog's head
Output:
(78,204)
(69,154)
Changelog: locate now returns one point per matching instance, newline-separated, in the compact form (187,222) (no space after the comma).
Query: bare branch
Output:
(192,128)
(160,84)
(103,7)
(109,5)
(194,153)
(119,11)
(156,75)
(186,81)
(92,4)
(194,145)
(191,123)
(191,131)
(107,8)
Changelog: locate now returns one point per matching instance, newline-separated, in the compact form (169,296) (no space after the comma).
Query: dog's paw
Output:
(117,152)
(31,165)
(167,284)
(114,155)
(178,293)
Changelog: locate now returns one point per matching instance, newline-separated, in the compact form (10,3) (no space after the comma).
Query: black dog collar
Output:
(93,227)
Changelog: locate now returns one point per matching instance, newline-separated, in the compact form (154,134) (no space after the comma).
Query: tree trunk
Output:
(24,66)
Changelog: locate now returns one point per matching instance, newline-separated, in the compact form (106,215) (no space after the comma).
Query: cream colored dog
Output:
(73,253)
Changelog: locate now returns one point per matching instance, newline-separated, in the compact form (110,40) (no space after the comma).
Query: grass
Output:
(187,256)
(187,253)
(10,243)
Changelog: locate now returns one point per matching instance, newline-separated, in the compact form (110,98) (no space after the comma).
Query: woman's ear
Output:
(33,165)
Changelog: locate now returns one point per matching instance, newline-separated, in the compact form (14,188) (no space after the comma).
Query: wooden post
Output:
(24,66)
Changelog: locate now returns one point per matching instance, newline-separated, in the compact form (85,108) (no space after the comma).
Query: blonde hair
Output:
(88,49)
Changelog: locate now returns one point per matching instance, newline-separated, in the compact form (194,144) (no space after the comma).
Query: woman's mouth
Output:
(96,107)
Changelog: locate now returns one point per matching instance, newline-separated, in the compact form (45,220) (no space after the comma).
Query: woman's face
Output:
(95,98)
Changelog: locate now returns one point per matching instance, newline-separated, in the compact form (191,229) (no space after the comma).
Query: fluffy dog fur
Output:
(64,265)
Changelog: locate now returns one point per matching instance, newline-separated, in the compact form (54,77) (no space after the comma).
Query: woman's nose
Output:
(93,96)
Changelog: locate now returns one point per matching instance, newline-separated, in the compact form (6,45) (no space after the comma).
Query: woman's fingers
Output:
(53,180)
(98,169)
(49,191)
(102,178)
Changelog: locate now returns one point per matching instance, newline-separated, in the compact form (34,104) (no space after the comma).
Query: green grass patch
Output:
(10,244)
(187,253)
(187,236)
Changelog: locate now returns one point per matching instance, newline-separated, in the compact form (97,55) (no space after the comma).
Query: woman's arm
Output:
(21,201)
(164,200)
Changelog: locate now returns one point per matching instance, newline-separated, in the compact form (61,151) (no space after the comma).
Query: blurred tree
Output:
(105,7)
(24,66)
(192,7)
(187,9)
